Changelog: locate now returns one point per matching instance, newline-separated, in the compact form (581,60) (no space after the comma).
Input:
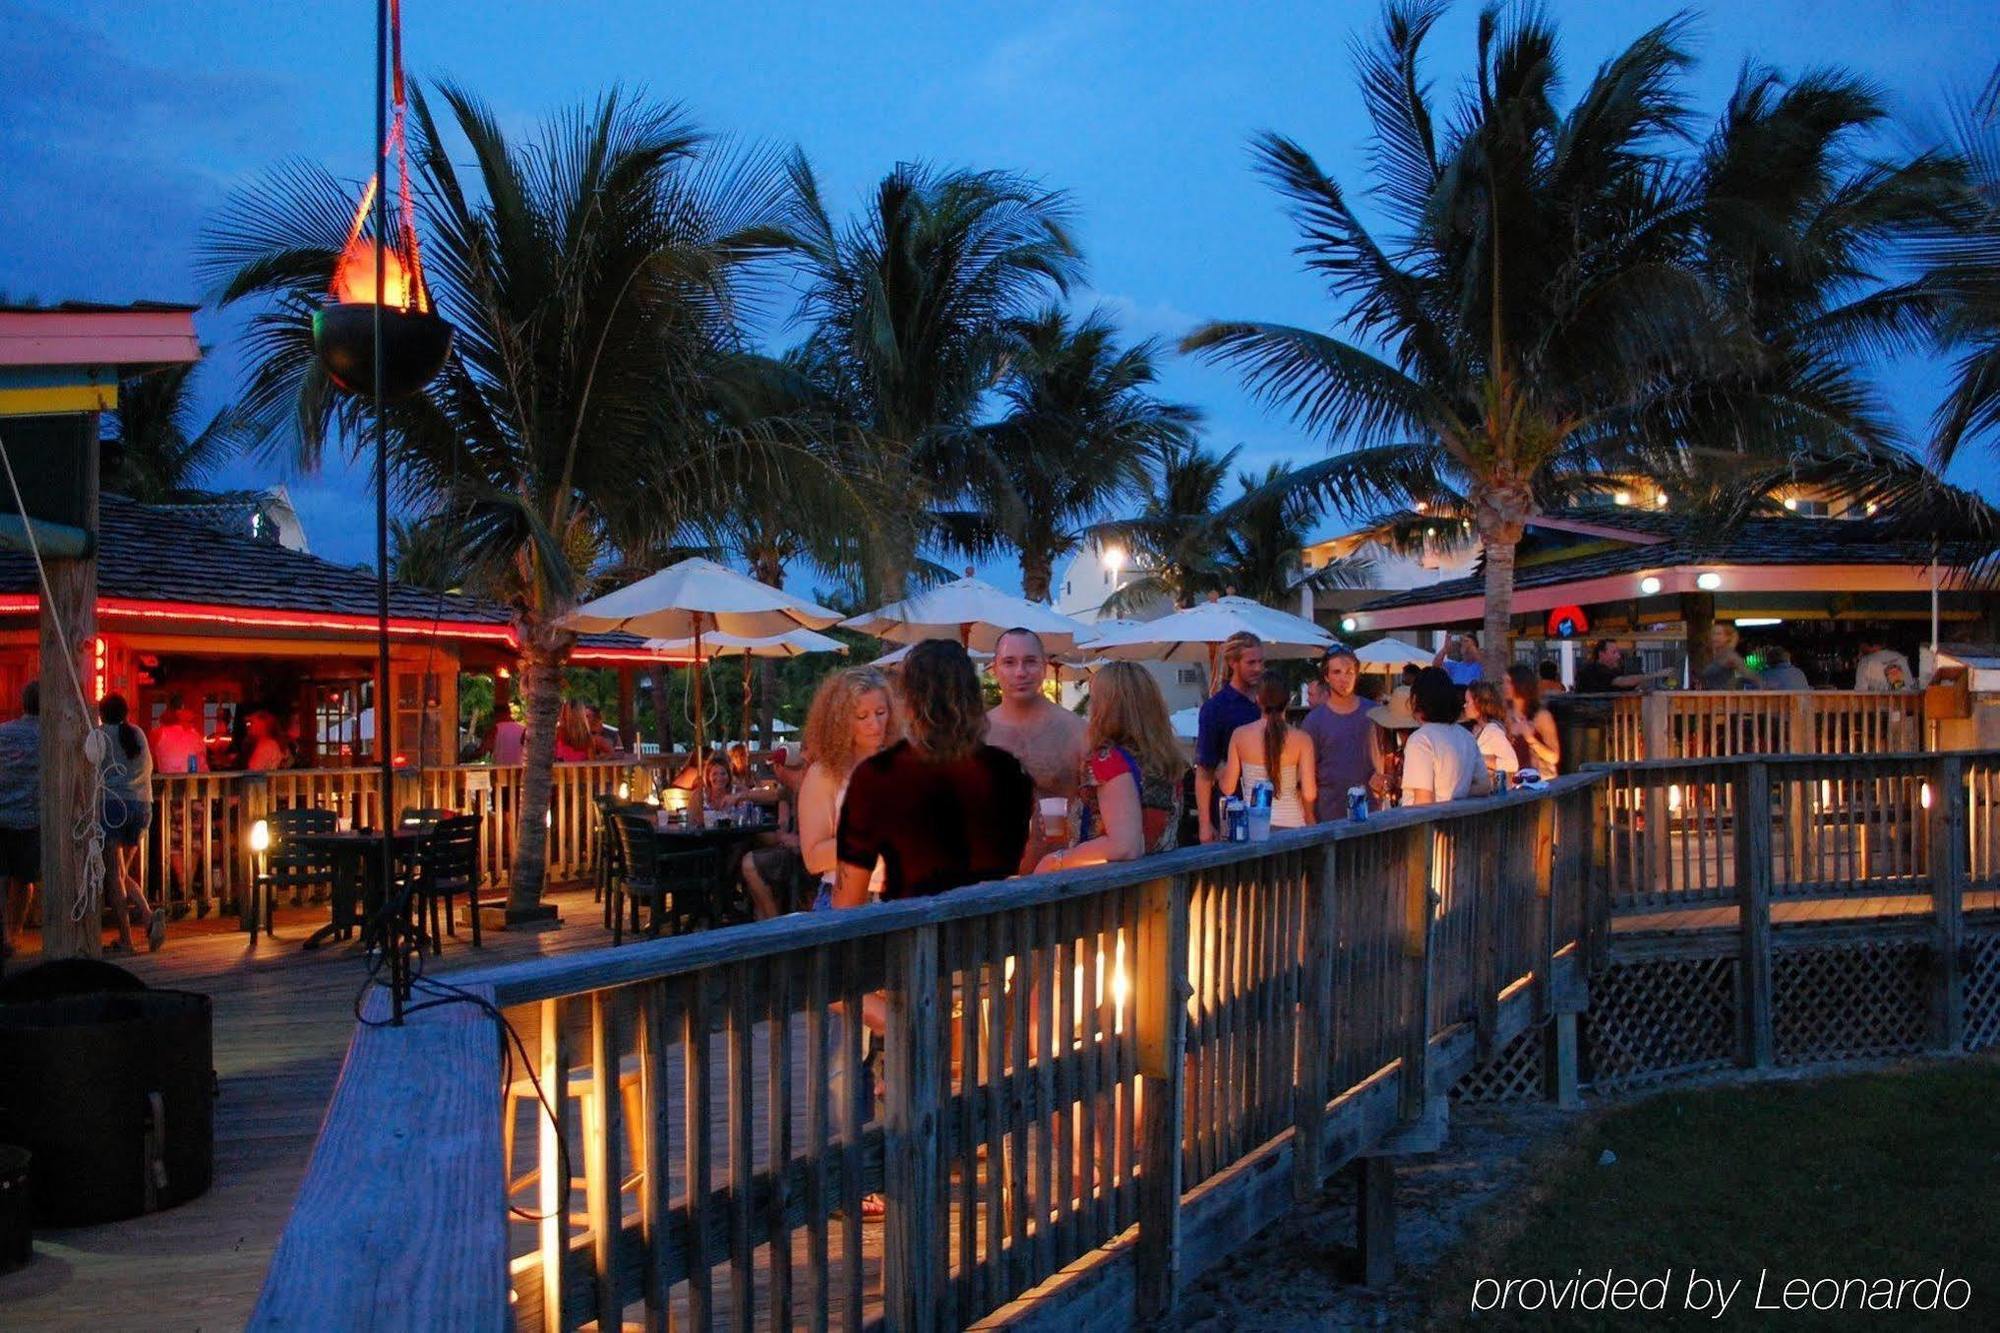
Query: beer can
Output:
(1357,804)
(1237,818)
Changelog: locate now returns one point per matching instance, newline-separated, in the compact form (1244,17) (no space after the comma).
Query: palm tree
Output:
(1963,270)
(1260,541)
(1796,228)
(1533,294)
(1172,536)
(592,277)
(1080,430)
(155,453)
(911,306)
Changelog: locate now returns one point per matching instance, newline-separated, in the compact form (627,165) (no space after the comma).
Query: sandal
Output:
(874,1208)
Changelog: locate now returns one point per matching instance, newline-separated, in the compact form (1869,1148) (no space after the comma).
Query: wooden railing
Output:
(1094,1084)
(198,851)
(1701,724)
(1834,826)
(1792,910)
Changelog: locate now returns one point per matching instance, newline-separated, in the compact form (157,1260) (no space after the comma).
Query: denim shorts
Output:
(125,822)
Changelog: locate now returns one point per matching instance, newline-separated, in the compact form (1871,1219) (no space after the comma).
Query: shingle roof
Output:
(154,554)
(1790,540)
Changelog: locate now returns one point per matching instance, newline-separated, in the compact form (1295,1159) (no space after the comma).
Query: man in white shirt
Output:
(1882,667)
(178,746)
(1441,760)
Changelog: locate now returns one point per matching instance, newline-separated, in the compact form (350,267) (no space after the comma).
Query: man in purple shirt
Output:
(1221,714)
(1343,737)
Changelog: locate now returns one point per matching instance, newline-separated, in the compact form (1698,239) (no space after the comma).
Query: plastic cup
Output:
(1055,819)
(1260,823)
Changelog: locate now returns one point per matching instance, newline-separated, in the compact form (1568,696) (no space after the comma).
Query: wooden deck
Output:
(282,1022)
(1799,912)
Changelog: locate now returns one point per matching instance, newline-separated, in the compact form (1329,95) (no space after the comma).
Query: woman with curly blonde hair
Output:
(853,715)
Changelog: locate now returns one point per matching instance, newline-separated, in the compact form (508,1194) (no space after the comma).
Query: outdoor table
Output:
(674,839)
(357,863)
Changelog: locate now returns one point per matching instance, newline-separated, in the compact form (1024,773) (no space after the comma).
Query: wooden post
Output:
(1753,899)
(1655,725)
(1375,1218)
(1544,922)
(1419,909)
(1160,1018)
(628,712)
(1316,1029)
(1801,738)
(913,1285)
(1559,1062)
(1948,875)
(71,925)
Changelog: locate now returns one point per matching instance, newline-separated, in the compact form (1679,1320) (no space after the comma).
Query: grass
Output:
(1890,1175)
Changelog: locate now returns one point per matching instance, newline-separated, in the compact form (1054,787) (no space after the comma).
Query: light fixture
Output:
(1660,500)
(1924,795)
(1792,503)
(1872,507)
(1114,559)
(378,281)
(624,791)
(260,837)
(1347,624)
(1621,497)
(1649,585)
(1673,798)
(1708,582)
(1757,622)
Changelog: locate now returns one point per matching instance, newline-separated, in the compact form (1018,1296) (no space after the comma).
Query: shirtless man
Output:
(1045,737)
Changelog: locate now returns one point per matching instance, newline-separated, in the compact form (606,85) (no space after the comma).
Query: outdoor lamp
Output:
(1924,795)
(260,837)
(624,791)
(1708,582)
(1347,624)
(1621,498)
(414,340)
(1649,585)
(1114,559)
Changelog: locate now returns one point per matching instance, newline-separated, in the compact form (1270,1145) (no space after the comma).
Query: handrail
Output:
(1499,911)
(572,974)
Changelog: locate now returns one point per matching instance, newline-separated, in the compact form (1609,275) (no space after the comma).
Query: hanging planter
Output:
(414,340)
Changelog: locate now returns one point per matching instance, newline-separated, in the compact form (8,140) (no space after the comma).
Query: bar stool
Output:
(583,1091)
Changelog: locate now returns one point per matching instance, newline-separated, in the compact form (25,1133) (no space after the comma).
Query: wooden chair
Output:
(610,852)
(285,864)
(423,816)
(448,865)
(680,887)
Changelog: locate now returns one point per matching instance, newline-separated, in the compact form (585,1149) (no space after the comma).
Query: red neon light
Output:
(211,613)
(99,677)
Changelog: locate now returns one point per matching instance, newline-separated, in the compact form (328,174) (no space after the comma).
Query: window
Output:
(1808,508)
(1190,675)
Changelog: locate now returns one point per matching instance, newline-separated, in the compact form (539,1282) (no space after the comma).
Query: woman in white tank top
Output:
(1255,746)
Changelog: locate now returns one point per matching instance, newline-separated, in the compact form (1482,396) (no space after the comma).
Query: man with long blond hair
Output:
(1231,706)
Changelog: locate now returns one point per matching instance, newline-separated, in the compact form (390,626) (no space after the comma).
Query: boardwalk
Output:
(282,1021)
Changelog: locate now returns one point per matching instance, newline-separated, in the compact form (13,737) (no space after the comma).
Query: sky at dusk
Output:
(123,127)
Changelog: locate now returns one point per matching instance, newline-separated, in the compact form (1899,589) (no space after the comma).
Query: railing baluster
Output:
(698,1147)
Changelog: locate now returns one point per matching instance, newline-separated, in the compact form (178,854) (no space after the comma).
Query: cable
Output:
(89,826)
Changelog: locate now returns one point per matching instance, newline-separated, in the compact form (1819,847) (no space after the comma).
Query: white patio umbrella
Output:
(1389,654)
(695,598)
(972,611)
(890,660)
(797,643)
(1198,633)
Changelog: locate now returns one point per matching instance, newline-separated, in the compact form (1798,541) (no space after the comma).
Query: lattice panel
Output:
(1848,1002)
(1514,1074)
(1982,992)
(1651,1019)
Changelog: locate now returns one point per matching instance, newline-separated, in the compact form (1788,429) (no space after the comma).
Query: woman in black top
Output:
(941,808)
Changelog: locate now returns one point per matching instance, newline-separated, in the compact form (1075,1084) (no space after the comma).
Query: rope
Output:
(89,828)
